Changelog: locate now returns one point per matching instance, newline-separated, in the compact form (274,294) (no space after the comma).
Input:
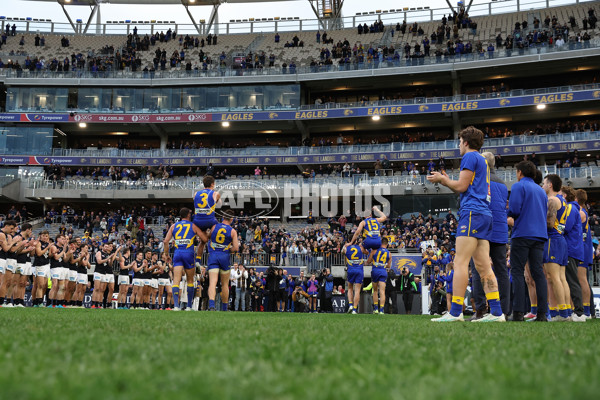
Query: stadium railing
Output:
(189,184)
(335,149)
(216,71)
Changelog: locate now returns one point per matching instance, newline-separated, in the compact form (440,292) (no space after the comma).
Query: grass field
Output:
(109,354)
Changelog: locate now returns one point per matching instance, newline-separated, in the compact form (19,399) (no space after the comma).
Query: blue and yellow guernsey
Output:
(354,257)
(220,239)
(561,217)
(204,204)
(183,234)
(381,258)
(372,228)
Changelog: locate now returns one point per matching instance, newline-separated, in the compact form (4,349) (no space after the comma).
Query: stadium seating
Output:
(488,28)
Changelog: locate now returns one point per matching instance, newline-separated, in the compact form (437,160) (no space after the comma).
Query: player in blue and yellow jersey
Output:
(205,203)
(575,251)
(588,255)
(370,229)
(223,242)
(183,233)
(355,259)
(380,260)
(555,250)
(474,226)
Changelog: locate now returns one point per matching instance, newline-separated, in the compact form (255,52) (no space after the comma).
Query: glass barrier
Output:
(318,150)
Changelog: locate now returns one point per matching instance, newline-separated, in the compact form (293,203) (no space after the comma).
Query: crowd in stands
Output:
(443,44)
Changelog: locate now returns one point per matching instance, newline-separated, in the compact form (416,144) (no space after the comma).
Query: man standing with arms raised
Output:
(474,226)
(528,207)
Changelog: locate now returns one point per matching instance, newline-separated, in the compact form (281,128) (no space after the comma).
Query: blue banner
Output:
(330,113)
(410,261)
(394,156)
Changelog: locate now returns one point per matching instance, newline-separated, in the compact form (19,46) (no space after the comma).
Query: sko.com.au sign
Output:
(257,199)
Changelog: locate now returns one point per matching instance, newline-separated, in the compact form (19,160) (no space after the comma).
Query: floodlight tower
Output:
(329,13)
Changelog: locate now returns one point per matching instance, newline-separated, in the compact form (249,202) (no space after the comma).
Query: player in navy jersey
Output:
(183,233)
(138,280)
(355,259)
(474,226)
(5,245)
(124,282)
(205,203)
(588,255)
(41,264)
(370,229)
(23,271)
(223,242)
(380,260)
(555,250)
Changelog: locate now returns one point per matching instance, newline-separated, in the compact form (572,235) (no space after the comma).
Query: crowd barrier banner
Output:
(393,156)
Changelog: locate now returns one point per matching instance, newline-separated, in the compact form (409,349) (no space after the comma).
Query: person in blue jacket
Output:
(528,208)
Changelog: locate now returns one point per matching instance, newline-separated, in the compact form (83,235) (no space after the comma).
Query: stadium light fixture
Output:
(82,125)
(225,124)
(540,106)
(376,117)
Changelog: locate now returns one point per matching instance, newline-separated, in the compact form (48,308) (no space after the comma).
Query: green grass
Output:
(110,354)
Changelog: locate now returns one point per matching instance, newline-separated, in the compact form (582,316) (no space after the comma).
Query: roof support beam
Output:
(214,15)
(95,9)
(68,17)
(187,9)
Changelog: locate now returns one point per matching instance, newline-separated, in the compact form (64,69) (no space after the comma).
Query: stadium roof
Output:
(152,2)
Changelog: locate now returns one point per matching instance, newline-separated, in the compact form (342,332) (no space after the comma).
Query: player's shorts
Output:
(98,276)
(164,282)
(556,251)
(82,279)
(185,259)
(72,275)
(138,282)
(204,223)
(356,275)
(43,271)
(378,274)
(2,265)
(219,260)
(372,243)
(587,266)
(147,282)
(154,283)
(59,273)
(475,225)
(123,279)
(449,289)
(11,265)
(108,278)
(24,269)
